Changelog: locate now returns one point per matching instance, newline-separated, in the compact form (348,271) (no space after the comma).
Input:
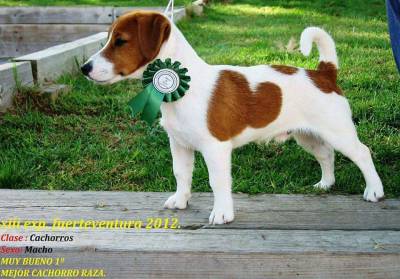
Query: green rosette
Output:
(163,81)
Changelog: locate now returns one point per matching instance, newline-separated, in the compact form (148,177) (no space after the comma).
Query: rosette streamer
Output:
(163,81)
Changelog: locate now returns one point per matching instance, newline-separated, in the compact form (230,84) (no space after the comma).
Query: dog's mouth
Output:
(104,81)
(97,81)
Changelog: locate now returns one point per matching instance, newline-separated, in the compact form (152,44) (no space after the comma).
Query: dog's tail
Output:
(324,42)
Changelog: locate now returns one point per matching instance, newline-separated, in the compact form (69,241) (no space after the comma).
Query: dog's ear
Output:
(153,30)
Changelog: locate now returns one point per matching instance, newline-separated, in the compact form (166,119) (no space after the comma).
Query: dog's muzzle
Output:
(87,68)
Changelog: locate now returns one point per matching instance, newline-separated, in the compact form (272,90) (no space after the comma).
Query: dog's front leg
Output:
(182,161)
(218,160)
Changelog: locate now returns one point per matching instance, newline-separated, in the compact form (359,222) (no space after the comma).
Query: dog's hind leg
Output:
(341,134)
(324,154)
(183,163)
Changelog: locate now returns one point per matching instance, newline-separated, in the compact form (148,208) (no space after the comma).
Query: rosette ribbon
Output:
(163,81)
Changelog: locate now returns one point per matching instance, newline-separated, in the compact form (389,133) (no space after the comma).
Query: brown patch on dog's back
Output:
(325,78)
(234,106)
(288,70)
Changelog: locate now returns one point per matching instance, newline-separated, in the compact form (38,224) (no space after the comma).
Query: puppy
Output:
(229,106)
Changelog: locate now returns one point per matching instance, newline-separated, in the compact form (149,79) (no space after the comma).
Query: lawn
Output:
(87,140)
(118,3)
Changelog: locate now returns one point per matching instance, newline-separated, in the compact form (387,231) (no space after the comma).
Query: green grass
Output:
(87,141)
(118,3)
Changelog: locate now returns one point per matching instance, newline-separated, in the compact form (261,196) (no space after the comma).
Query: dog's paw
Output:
(220,216)
(323,185)
(177,201)
(373,194)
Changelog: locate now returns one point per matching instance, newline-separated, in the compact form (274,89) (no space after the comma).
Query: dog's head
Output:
(134,40)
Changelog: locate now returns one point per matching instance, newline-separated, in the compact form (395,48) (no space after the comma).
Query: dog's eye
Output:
(119,42)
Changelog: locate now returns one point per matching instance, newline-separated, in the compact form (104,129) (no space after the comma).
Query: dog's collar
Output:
(163,81)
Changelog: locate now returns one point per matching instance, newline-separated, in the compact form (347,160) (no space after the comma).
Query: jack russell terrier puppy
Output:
(229,106)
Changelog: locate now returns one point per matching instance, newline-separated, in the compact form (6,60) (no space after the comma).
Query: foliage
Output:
(117,3)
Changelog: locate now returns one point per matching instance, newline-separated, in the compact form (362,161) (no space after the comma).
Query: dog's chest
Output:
(185,125)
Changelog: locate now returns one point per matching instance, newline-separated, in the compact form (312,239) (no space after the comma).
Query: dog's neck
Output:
(178,49)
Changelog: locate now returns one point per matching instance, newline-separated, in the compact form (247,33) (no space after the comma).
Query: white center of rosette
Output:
(166,81)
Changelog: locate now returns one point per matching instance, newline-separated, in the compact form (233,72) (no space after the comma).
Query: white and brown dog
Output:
(229,106)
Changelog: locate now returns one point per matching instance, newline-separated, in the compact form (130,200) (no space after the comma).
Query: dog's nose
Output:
(87,68)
